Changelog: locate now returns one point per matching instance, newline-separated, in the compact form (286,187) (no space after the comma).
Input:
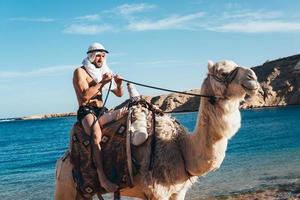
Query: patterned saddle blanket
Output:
(114,154)
(116,147)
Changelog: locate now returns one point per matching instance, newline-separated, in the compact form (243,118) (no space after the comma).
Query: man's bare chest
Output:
(90,81)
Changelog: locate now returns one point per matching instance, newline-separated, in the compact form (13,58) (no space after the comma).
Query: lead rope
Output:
(102,109)
(97,119)
(117,193)
(212,99)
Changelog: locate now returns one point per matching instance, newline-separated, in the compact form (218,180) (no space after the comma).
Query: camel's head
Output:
(229,80)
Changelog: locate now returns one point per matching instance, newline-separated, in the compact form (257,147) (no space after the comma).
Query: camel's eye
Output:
(224,74)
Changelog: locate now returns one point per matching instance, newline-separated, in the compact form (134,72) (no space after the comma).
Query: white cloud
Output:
(87,29)
(88,17)
(258,27)
(41,72)
(173,22)
(245,21)
(128,9)
(251,15)
(40,19)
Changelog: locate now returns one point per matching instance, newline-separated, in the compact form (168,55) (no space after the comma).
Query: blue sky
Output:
(161,43)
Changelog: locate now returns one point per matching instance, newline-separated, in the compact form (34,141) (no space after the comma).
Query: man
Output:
(89,81)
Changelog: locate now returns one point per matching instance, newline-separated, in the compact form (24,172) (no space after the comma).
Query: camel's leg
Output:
(65,186)
(133,192)
(179,196)
(159,192)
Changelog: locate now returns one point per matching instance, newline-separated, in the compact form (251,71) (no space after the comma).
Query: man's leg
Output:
(87,122)
(139,126)
(113,115)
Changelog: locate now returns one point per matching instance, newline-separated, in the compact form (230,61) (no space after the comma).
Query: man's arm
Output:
(81,86)
(119,90)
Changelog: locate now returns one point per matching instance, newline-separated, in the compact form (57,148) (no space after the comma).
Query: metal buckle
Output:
(104,139)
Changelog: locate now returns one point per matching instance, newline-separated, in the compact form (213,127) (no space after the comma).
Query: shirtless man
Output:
(89,81)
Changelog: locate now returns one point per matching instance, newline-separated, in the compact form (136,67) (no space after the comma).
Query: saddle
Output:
(119,164)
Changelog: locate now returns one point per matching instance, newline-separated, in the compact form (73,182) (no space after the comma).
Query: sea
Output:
(263,154)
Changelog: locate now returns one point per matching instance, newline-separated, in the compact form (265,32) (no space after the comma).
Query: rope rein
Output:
(102,109)
(212,99)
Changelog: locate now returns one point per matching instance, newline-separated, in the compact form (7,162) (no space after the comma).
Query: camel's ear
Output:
(210,65)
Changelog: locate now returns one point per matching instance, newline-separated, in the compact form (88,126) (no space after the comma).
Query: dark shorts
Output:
(85,110)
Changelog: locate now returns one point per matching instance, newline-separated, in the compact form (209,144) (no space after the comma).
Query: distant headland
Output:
(46,116)
(280,80)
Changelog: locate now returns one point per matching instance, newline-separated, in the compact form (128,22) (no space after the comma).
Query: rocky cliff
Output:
(280,80)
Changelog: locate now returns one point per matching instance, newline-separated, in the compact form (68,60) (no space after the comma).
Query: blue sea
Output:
(264,153)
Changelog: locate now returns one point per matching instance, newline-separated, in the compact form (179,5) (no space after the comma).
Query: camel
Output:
(181,157)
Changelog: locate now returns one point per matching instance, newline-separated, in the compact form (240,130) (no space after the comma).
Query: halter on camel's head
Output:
(228,80)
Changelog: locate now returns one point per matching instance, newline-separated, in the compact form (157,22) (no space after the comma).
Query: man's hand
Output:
(118,80)
(106,78)
(119,90)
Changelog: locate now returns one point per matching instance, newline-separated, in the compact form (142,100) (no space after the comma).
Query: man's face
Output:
(99,59)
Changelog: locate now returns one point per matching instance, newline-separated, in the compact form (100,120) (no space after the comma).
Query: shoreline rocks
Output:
(46,116)
(277,191)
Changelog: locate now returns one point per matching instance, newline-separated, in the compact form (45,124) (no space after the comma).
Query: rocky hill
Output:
(177,102)
(280,80)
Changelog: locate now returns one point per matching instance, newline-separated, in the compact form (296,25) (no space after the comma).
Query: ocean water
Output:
(265,152)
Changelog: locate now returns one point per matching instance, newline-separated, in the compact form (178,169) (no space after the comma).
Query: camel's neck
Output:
(204,150)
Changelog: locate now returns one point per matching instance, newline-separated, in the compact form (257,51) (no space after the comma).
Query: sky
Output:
(160,43)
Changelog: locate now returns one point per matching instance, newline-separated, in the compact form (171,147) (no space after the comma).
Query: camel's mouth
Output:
(250,87)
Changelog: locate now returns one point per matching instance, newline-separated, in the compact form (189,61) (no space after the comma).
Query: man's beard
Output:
(98,65)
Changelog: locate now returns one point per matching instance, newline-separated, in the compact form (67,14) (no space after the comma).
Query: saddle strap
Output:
(117,195)
(100,197)
(128,147)
(153,144)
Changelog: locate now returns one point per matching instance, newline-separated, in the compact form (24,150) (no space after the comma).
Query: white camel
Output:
(181,157)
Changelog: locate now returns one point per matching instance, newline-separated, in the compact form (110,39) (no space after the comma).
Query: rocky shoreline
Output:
(284,191)
(289,191)
(47,116)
